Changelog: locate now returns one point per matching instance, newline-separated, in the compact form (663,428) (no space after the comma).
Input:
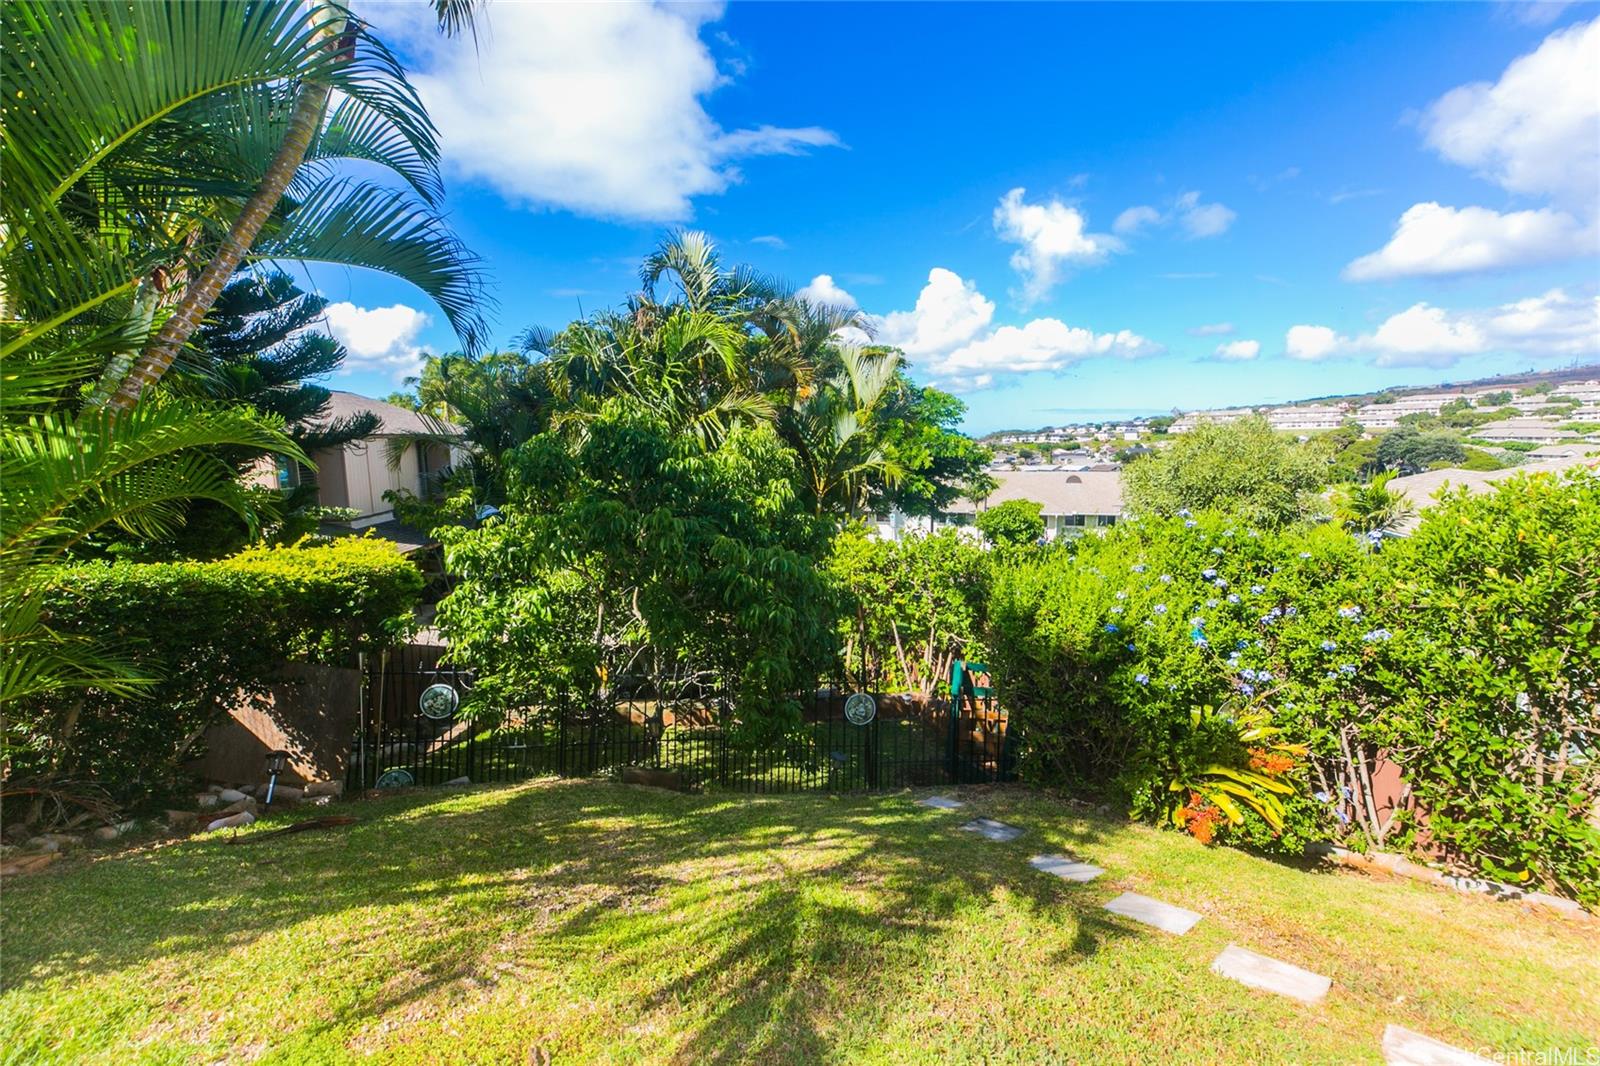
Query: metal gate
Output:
(412,733)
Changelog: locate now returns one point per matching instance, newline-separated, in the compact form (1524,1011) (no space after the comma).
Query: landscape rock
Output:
(231,795)
(285,794)
(27,864)
(459,781)
(325,788)
(206,800)
(182,819)
(42,844)
(245,805)
(233,821)
(112,832)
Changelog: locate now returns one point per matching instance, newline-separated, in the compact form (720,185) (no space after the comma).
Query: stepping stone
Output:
(1258,971)
(1065,868)
(990,829)
(943,803)
(1163,916)
(1402,1047)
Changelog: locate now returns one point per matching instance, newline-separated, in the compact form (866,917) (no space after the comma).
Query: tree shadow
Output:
(816,895)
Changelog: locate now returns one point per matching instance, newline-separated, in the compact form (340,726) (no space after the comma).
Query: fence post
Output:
(955,719)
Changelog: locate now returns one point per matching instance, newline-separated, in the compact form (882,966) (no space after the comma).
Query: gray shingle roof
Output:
(1057,491)
(395,420)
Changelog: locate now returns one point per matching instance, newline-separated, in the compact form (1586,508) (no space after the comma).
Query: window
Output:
(1064,520)
(288,473)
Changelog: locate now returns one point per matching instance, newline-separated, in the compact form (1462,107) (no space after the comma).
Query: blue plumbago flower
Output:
(1212,602)
(1241,646)
(1227,532)
(1166,579)
(1216,551)
(1143,679)
(1184,512)
(1305,555)
(1321,797)
(1253,535)
(1348,669)
(1329,645)
(1263,675)
(1248,674)
(1121,595)
(1338,812)
(1160,608)
(1248,690)
(1220,582)
(1290,611)
(1132,646)
(1349,610)
(1197,621)
(1111,627)
(1233,659)
(1116,610)
(1139,568)
(1208,573)
(1373,636)
(1189,523)
(1149,622)
(1256,590)
(1233,597)
(1288,705)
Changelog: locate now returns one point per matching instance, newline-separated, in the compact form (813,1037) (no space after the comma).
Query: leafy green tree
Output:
(1410,450)
(1011,525)
(1372,507)
(835,430)
(1496,399)
(1242,467)
(937,464)
(633,553)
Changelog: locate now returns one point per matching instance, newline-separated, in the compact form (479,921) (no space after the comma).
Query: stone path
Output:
(1402,1047)
(990,829)
(1066,868)
(1258,971)
(1163,916)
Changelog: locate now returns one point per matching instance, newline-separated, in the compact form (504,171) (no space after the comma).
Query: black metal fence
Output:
(411,734)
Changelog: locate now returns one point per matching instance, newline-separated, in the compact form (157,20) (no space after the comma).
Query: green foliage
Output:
(1242,467)
(1410,450)
(1011,525)
(204,633)
(1495,399)
(1161,423)
(1371,508)
(1517,445)
(919,434)
(915,605)
(1478,459)
(1586,428)
(1538,388)
(633,552)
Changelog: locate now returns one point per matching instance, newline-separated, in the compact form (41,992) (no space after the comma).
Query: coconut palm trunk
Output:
(203,291)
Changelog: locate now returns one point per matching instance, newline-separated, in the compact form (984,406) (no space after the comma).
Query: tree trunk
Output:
(202,293)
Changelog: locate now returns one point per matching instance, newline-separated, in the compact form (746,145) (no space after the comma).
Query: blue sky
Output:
(1218,204)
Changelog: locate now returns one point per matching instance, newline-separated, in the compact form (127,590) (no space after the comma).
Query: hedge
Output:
(204,632)
(1468,653)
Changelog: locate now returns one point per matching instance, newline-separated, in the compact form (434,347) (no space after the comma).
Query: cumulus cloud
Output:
(949,335)
(1211,329)
(1052,237)
(1432,239)
(1554,325)
(1238,351)
(1194,217)
(1534,132)
(771,241)
(823,292)
(382,339)
(599,109)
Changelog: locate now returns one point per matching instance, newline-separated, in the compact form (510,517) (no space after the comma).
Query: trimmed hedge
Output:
(1468,653)
(204,632)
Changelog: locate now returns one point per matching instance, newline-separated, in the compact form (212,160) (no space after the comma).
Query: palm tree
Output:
(835,431)
(151,149)
(1373,507)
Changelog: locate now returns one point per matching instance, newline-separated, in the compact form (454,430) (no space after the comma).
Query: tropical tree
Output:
(152,149)
(1244,467)
(835,432)
(1373,507)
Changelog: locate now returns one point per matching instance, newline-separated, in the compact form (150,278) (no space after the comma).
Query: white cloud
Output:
(948,335)
(594,108)
(823,292)
(1554,325)
(1211,329)
(380,339)
(1203,220)
(1134,219)
(1052,236)
(771,241)
(1196,219)
(1536,131)
(1310,343)
(1432,239)
(1238,351)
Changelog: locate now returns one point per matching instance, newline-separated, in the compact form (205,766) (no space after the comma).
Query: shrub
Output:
(1242,467)
(916,604)
(1012,524)
(202,633)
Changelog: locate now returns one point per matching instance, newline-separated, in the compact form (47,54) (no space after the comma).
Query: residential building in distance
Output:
(357,475)
(1071,501)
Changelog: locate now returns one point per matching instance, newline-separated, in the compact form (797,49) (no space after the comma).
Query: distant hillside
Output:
(1509,381)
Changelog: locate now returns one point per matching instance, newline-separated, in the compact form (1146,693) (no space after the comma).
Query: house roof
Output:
(395,421)
(1056,491)
(1419,489)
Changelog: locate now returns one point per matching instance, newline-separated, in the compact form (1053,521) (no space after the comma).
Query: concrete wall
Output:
(312,714)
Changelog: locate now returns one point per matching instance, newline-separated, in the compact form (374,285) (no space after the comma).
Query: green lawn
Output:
(611,924)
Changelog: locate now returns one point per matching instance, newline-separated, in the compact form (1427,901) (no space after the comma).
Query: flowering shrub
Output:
(1469,654)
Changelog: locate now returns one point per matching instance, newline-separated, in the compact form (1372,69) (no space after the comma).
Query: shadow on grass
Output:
(765,918)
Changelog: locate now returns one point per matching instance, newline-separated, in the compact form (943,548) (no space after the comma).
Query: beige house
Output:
(357,475)
(1070,501)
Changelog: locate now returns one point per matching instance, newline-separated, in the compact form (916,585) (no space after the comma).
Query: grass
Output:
(613,924)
